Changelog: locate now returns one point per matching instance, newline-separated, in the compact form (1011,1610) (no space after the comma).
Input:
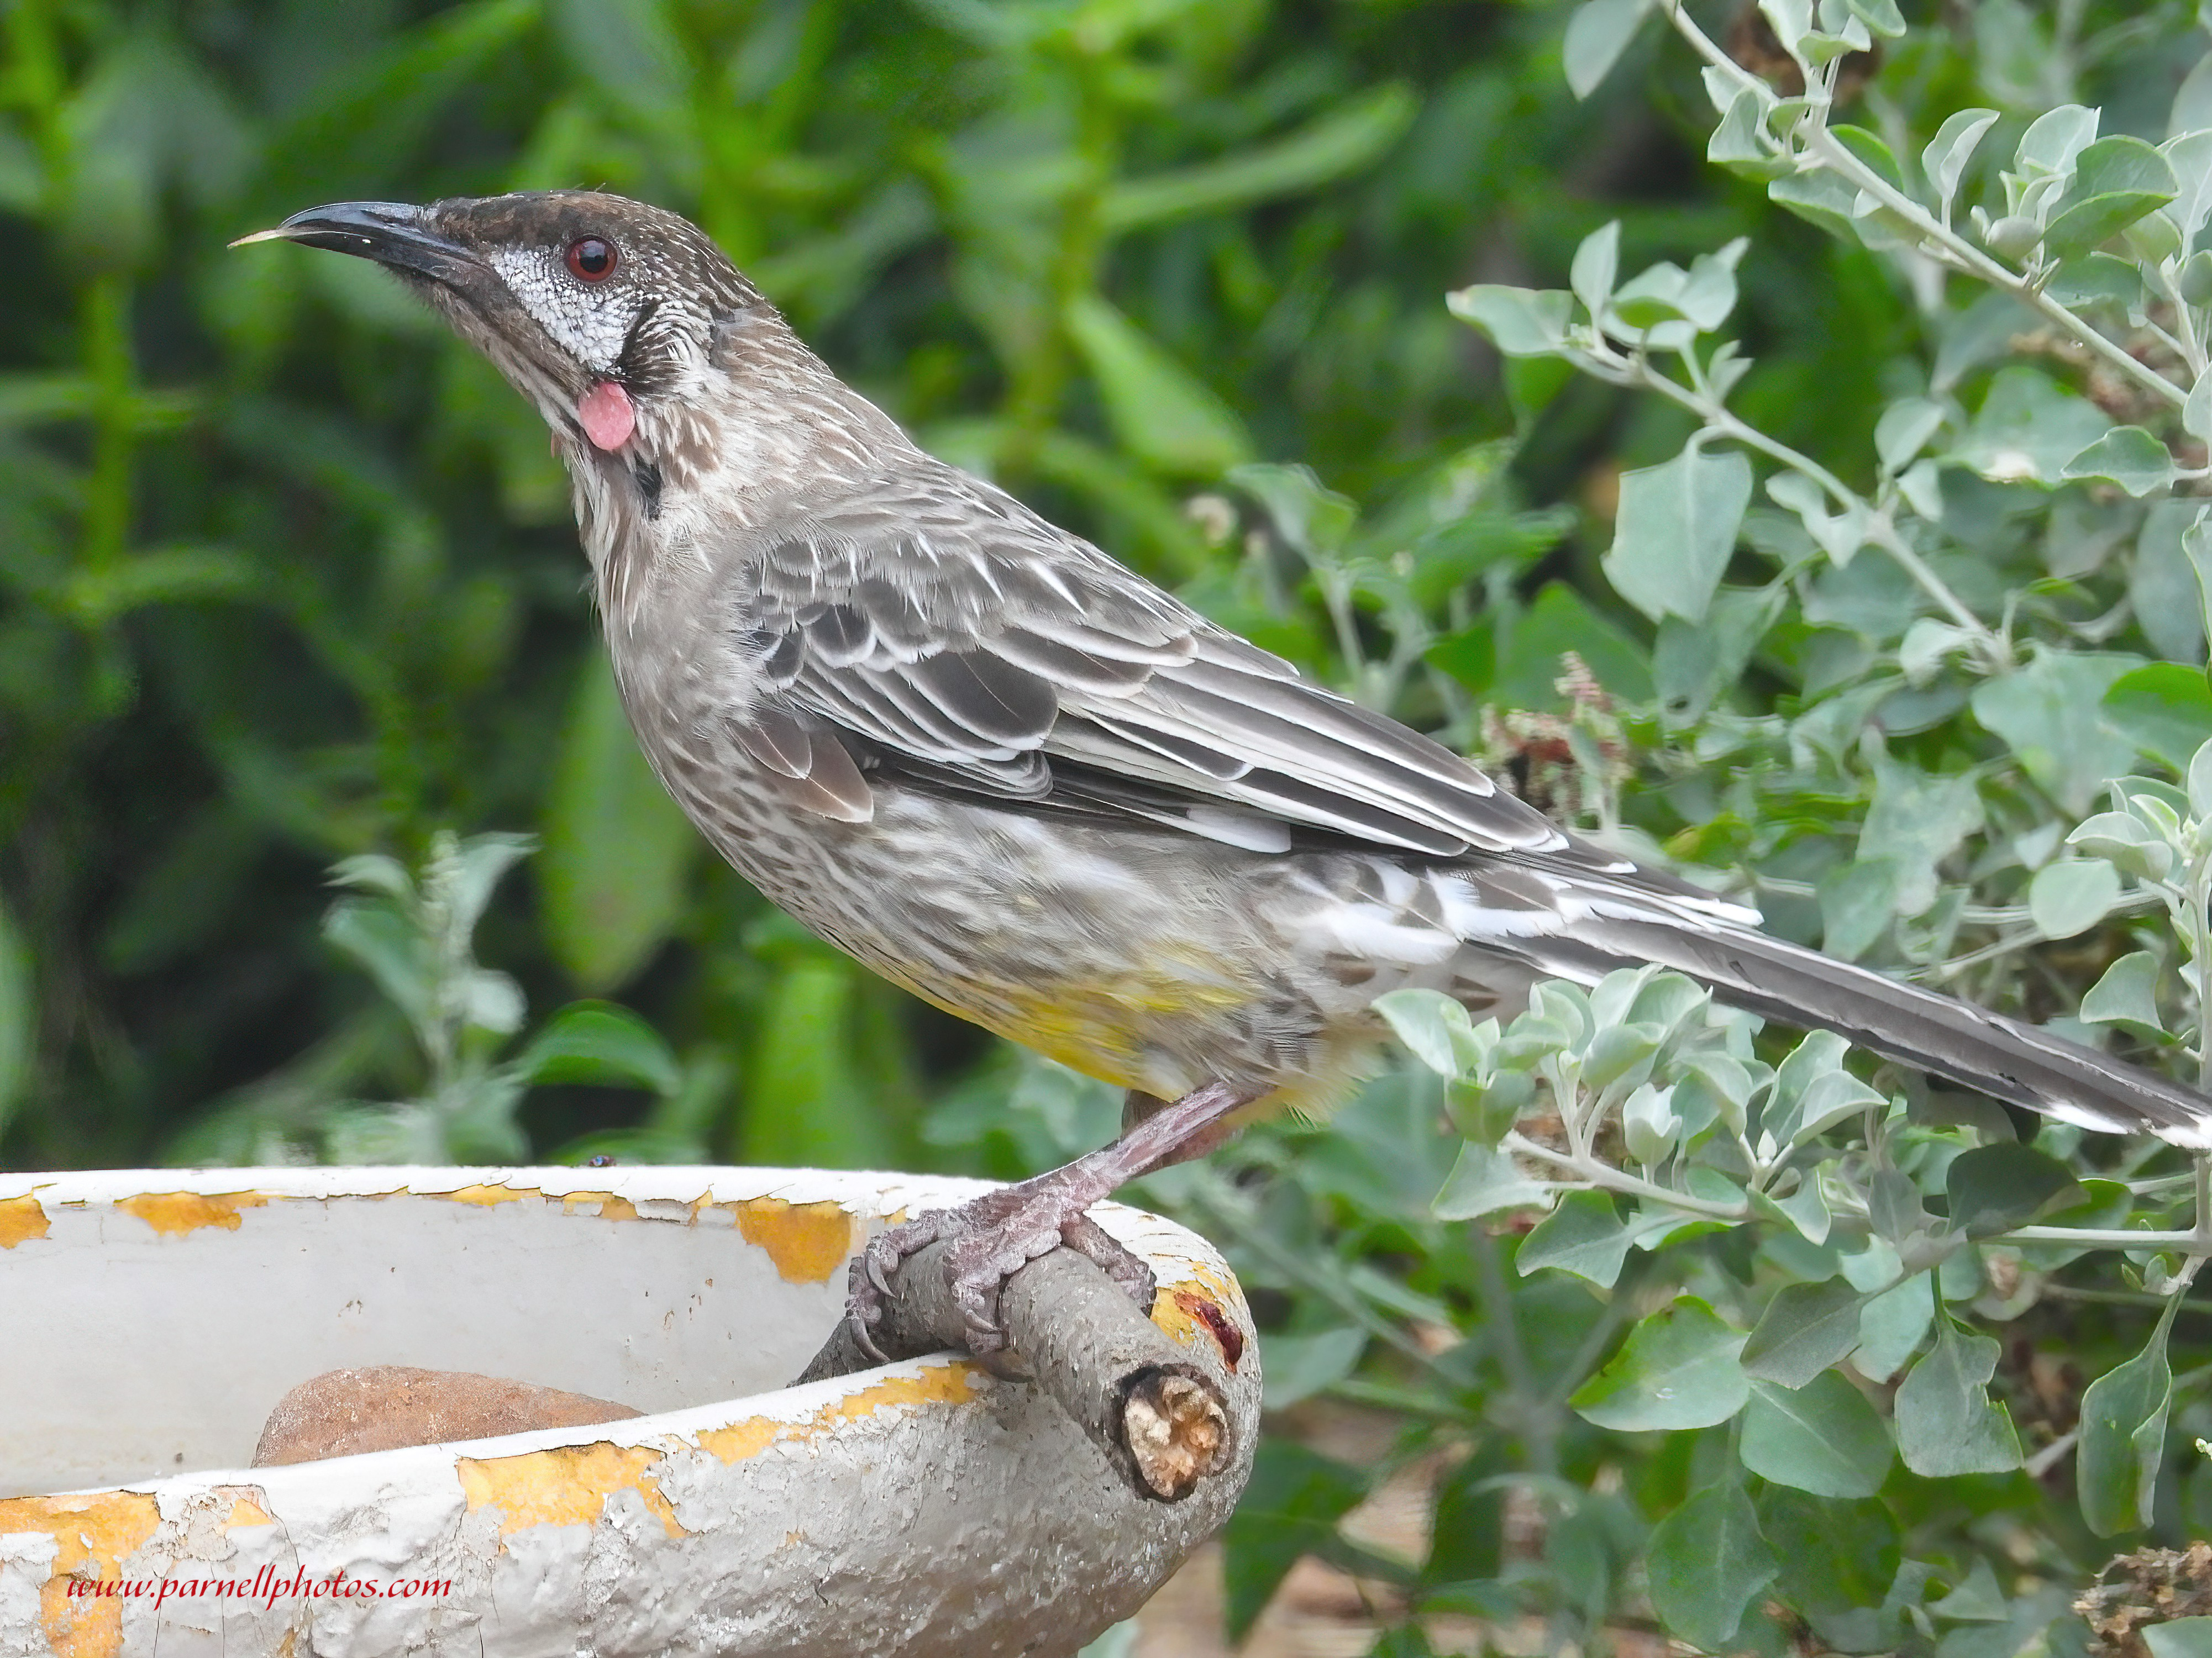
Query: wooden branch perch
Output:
(1162,1422)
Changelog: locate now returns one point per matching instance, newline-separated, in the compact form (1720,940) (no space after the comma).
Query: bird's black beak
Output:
(390,233)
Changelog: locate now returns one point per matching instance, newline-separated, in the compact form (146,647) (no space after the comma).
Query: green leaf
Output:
(1435,1029)
(18,1018)
(1597,34)
(2123,1444)
(2178,1637)
(626,48)
(1737,144)
(2070,896)
(1597,261)
(1678,1369)
(1695,664)
(1823,1437)
(1917,819)
(382,940)
(1522,322)
(806,1103)
(1882,16)
(2116,181)
(599,1042)
(1834,1555)
(2165,708)
(1993,1188)
(1485,1180)
(368,118)
(1946,1423)
(2055,137)
(2050,714)
(1812,1091)
(2199,779)
(1905,429)
(2128,456)
(1892,1324)
(1707,1562)
(1290,1508)
(1945,160)
(1160,411)
(1821,199)
(2126,842)
(618,852)
(2027,429)
(1528,647)
(1344,141)
(1857,900)
(1300,1367)
(2127,994)
(1582,1235)
(1806,1328)
(1676,531)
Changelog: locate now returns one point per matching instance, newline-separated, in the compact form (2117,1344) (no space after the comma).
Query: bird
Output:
(1010,774)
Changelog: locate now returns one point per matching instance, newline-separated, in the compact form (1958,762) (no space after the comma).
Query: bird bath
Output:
(150,1319)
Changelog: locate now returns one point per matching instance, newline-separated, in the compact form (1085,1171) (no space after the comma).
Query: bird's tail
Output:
(1987,1052)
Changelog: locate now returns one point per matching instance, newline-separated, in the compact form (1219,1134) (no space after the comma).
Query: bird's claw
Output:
(988,1239)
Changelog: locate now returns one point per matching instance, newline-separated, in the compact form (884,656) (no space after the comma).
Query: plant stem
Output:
(1882,531)
(1939,240)
(1594,1174)
(2191,1242)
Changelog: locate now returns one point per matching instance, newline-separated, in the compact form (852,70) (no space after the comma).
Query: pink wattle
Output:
(607,417)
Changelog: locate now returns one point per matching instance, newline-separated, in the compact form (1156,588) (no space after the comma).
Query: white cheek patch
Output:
(590,326)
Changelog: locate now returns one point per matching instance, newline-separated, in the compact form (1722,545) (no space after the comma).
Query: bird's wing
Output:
(935,627)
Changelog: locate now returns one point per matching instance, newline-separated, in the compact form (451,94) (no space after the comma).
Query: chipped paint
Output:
(245,1510)
(567,1485)
(484,1197)
(612,1205)
(809,1242)
(21,1218)
(172,1214)
(94,1534)
(953,1383)
(741,1439)
(1215,1323)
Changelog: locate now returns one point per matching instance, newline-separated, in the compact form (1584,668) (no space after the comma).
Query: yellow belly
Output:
(1118,1029)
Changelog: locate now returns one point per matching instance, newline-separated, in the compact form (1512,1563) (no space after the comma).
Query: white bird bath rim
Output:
(152,1317)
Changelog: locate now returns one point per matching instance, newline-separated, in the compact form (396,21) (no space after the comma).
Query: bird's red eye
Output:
(591,260)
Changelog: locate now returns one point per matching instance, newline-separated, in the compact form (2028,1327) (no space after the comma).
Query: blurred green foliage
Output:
(287,581)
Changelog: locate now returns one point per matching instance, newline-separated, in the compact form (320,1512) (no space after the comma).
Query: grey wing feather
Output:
(936,620)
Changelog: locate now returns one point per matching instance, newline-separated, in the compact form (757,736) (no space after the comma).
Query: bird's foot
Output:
(987,1241)
(992,1237)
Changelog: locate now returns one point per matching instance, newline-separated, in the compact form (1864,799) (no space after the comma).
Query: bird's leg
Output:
(1140,1107)
(998,1234)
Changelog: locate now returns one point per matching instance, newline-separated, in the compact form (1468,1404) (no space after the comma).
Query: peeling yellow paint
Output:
(940,1384)
(611,1207)
(98,1530)
(808,1242)
(246,1511)
(21,1218)
(485,1196)
(567,1485)
(172,1214)
(741,1439)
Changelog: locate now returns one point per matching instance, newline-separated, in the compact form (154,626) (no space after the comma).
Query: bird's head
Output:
(602,311)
